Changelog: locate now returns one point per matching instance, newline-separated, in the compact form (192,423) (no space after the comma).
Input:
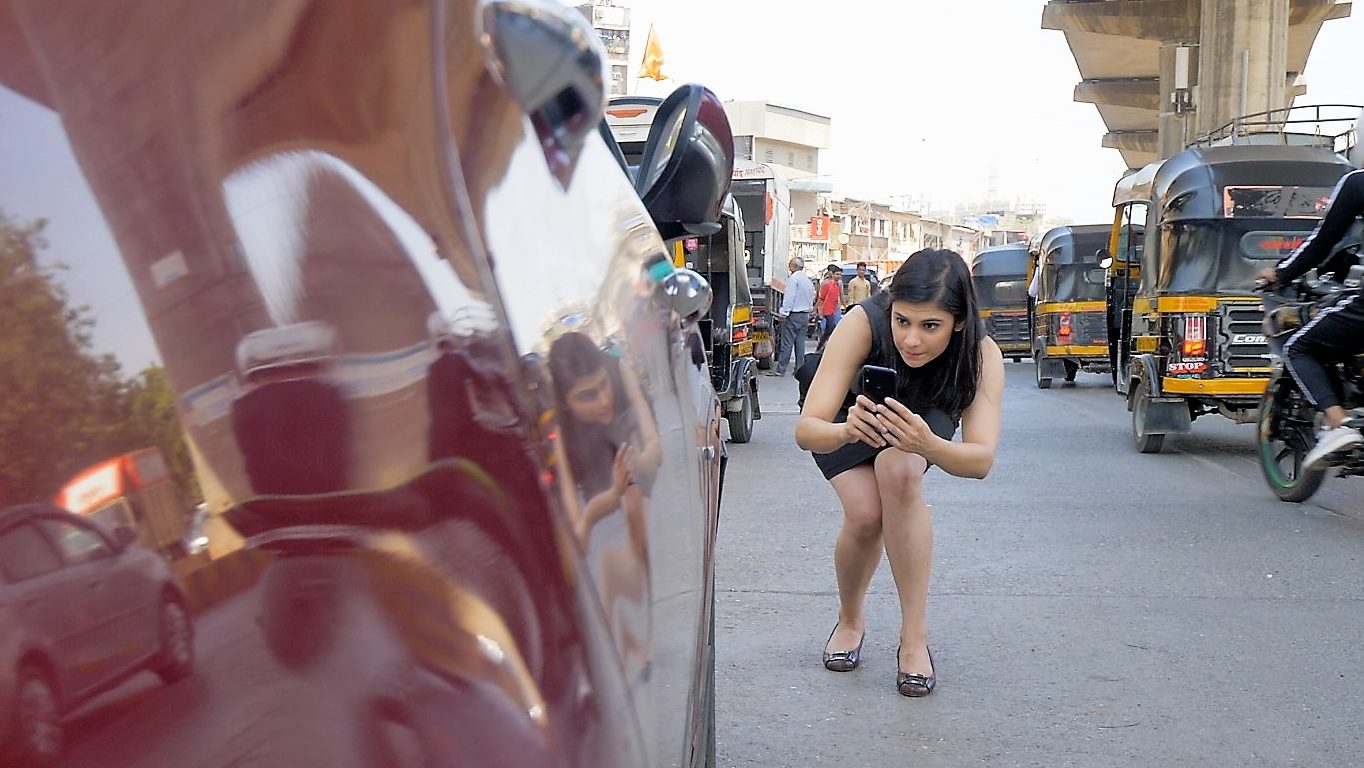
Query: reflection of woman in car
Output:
(609,437)
(924,327)
(612,449)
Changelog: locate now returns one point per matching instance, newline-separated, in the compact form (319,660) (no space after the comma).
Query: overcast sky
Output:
(926,98)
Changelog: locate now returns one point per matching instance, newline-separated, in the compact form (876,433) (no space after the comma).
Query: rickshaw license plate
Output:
(761,337)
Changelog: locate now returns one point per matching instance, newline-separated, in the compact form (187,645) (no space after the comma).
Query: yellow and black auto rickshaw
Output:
(1069,330)
(728,326)
(1000,275)
(1189,233)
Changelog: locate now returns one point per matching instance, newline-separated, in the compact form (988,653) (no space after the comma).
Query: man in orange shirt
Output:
(830,303)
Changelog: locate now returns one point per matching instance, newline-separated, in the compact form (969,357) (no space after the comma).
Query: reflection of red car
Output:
(81,610)
(432,541)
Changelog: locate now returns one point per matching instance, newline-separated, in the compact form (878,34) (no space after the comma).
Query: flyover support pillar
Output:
(1243,56)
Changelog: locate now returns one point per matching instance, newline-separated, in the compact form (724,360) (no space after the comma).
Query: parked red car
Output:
(434,370)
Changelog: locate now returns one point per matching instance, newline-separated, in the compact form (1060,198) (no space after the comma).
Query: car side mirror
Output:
(1105,258)
(552,62)
(124,536)
(688,295)
(687,164)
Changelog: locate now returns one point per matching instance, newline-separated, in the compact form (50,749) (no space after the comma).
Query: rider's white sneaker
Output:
(1330,441)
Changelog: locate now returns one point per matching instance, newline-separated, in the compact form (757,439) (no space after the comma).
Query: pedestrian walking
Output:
(859,288)
(796,304)
(926,329)
(830,303)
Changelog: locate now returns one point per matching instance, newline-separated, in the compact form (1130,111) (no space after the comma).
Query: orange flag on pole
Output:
(652,67)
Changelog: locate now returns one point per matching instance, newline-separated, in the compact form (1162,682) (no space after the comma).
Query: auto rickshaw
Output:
(1067,317)
(729,324)
(1000,275)
(1188,235)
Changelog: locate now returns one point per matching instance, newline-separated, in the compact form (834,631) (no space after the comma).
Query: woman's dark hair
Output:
(573,356)
(590,448)
(941,277)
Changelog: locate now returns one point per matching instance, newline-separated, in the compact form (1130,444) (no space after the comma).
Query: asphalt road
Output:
(1089,606)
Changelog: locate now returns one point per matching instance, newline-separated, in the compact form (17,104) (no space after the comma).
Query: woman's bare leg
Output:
(909,545)
(857,552)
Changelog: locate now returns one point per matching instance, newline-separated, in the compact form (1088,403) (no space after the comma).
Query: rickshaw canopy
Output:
(1000,275)
(1219,214)
(1073,244)
(1001,261)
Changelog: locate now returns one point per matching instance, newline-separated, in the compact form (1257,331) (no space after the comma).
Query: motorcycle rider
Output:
(1337,331)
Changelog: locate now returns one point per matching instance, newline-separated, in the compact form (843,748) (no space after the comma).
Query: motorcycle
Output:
(1287,421)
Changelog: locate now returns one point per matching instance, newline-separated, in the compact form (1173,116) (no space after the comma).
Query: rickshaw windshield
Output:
(1001,290)
(1223,255)
(1072,282)
(1000,276)
(1258,202)
(1071,271)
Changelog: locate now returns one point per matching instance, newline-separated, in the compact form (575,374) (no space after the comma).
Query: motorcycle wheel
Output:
(1283,439)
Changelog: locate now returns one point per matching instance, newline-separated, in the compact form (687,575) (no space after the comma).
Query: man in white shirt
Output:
(796,304)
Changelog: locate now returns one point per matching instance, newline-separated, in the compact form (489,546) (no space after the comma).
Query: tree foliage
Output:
(150,420)
(62,405)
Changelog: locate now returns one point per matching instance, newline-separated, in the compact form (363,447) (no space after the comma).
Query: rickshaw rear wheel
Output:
(1072,368)
(1146,442)
(1043,382)
(1276,442)
(741,421)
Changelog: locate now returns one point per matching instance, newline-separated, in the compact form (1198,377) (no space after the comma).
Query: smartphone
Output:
(877,383)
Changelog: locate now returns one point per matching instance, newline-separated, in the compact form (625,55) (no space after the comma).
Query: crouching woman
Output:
(875,454)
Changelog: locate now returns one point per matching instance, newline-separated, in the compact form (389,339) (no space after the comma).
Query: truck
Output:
(764,198)
(134,490)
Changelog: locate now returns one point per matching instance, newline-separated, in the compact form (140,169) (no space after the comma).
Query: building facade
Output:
(789,141)
(612,23)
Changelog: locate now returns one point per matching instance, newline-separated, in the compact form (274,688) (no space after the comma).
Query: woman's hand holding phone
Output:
(904,429)
(877,384)
(623,469)
(863,425)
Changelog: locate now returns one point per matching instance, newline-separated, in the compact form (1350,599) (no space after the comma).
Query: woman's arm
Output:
(649,452)
(975,454)
(847,347)
(608,500)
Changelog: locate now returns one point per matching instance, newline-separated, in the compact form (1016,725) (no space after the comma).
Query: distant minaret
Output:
(992,190)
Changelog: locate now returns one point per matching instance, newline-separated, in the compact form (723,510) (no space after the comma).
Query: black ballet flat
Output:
(843,661)
(915,686)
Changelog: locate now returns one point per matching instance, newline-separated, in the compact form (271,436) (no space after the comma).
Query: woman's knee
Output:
(862,521)
(861,502)
(901,472)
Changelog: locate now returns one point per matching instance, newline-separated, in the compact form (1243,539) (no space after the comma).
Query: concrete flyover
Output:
(1163,72)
